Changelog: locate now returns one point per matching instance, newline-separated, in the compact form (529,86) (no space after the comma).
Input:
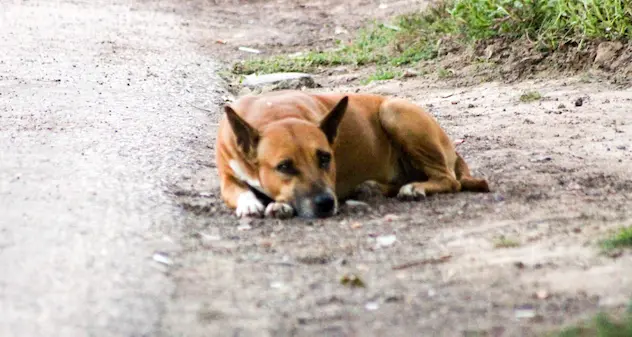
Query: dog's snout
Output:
(324,204)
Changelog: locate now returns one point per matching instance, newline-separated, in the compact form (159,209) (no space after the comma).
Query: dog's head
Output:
(294,160)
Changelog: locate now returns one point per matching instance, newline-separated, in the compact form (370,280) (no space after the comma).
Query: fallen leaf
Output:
(352,281)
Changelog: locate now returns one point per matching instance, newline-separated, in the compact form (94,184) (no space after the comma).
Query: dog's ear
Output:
(247,136)
(329,124)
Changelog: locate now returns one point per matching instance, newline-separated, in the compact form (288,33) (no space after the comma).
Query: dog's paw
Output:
(279,210)
(249,206)
(411,192)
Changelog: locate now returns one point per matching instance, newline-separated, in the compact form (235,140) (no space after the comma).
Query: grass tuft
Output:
(622,239)
(504,242)
(382,74)
(530,96)
(549,24)
(601,325)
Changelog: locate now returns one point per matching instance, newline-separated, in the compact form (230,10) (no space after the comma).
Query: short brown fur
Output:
(387,140)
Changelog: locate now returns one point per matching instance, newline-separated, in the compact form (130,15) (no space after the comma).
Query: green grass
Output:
(530,96)
(504,242)
(549,24)
(601,326)
(382,74)
(622,239)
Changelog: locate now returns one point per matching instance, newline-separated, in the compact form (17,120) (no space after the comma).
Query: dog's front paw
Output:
(411,192)
(249,206)
(279,210)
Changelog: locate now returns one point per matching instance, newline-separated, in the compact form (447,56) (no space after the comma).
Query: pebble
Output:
(386,240)
(162,258)
(371,306)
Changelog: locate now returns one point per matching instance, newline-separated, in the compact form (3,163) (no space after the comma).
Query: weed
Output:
(622,239)
(382,74)
(530,96)
(549,24)
(444,73)
(503,242)
(601,325)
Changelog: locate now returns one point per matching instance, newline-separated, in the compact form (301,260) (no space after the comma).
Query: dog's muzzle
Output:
(321,205)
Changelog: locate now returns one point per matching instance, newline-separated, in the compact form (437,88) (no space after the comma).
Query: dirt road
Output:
(94,126)
(103,163)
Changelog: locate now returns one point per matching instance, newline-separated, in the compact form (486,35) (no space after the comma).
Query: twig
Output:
(433,260)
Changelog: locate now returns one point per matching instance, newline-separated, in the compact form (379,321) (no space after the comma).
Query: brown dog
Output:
(290,152)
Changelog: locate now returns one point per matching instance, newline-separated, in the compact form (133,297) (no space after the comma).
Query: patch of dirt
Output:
(560,176)
(283,26)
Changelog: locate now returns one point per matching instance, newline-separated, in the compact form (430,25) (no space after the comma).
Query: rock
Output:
(278,81)
(162,258)
(391,217)
(385,240)
(542,294)
(524,311)
(356,225)
(579,101)
(356,204)
(371,306)
(410,73)
(607,54)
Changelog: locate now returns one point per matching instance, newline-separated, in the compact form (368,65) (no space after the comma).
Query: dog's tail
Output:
(468,183)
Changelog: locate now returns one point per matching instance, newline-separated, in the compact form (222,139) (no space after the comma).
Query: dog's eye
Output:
(286,167)
(324,159)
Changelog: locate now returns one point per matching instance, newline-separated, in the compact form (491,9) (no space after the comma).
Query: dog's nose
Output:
(325,204)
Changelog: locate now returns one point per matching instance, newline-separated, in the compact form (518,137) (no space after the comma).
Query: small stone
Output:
(340,30)
(579,101)
(391,217)
(528,121)
(244,224)
(279,81)
(470,106)
(250,50)
(561,106)
(276,285)
(525,311)
(542,294)
(356,225)
(371,306)
(386,240)
(607,54)
(541,159)
(497,197)
(410,73)
(162,258)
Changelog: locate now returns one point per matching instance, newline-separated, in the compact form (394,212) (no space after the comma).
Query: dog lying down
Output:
(288,153)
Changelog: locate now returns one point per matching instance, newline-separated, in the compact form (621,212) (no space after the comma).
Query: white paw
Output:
(249,206)
(410,192)
(279,210)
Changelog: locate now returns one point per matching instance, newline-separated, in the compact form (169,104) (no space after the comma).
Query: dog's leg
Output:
(468,183)
(241,199)
(427,147)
